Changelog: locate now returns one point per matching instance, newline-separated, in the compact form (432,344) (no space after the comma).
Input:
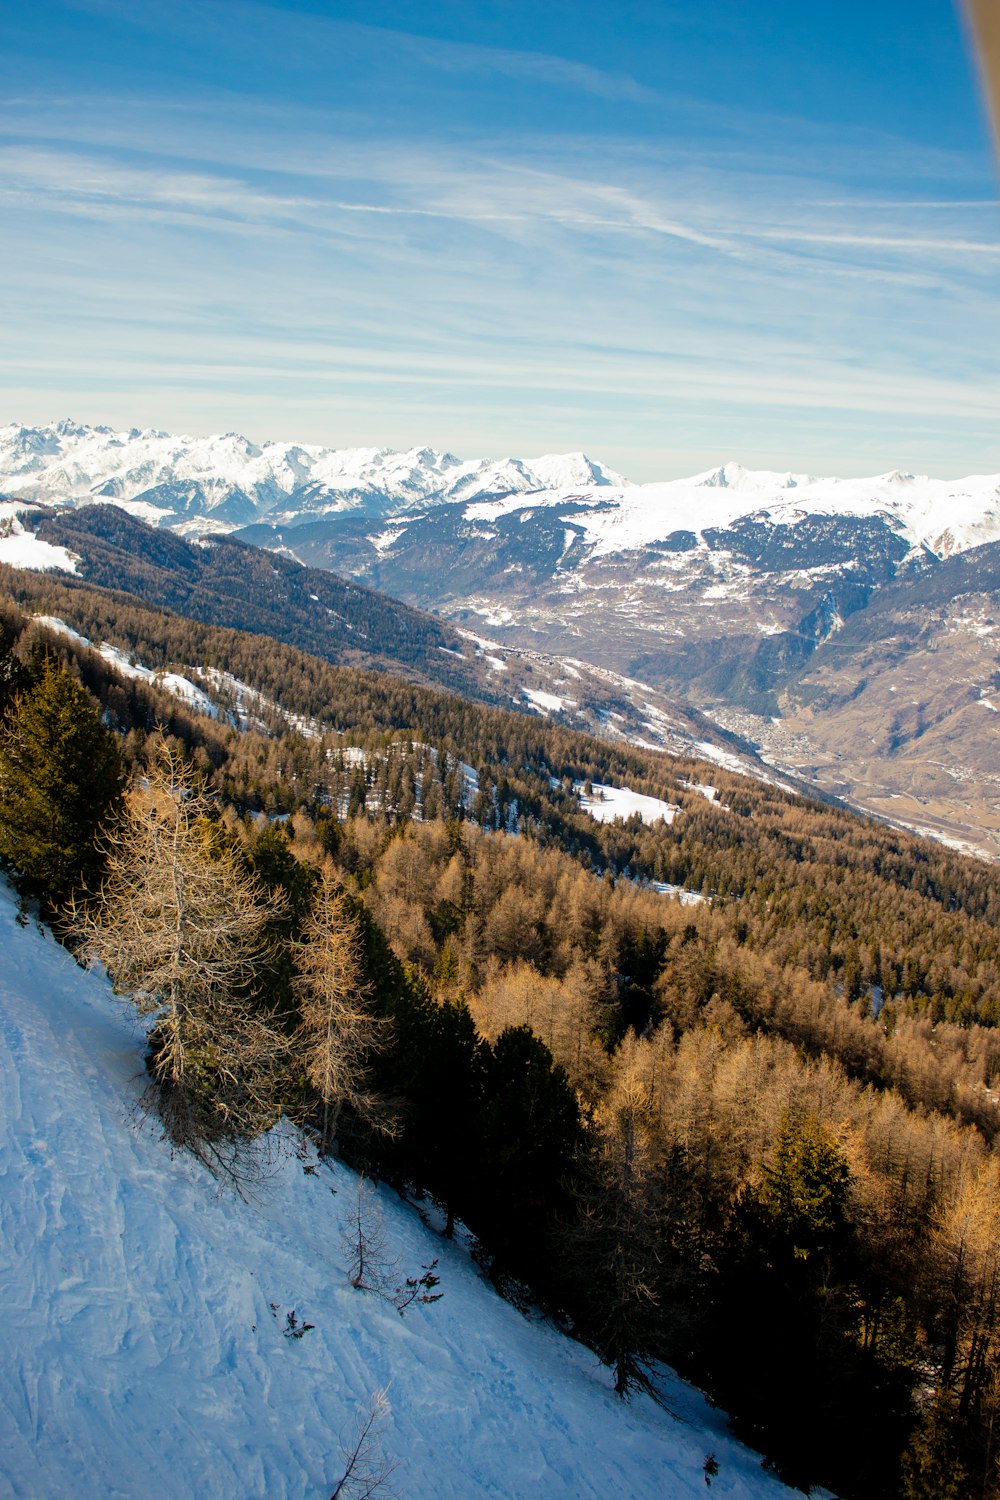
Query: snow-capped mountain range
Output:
(223,482)
(230,480)
(849,628)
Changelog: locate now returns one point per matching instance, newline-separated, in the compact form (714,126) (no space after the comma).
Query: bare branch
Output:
(367,1469)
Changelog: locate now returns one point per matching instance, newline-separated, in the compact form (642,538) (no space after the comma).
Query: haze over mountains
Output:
(848,627)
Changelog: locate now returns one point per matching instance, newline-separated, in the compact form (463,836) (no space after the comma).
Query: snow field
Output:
(610,802)
(22,549)
(67,460)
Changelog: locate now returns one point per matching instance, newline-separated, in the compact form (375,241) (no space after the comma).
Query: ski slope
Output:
(144,1353)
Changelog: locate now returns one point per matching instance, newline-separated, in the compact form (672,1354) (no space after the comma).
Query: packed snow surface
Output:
(610,802)
(145,1309)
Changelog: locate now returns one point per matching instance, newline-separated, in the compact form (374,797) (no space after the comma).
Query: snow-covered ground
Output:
(946,515)
(70,460)
(145,1309)
(679,893)
(22,549)
(171,682)
(610,802)
(545,703)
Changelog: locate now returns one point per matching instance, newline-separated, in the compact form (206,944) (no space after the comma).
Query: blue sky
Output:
(667,233)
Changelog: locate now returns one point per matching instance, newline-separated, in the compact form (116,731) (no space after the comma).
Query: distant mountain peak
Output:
(734,476)
(69,462)
(226,480)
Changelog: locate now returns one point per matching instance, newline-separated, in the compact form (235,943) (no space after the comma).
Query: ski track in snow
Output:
(143,1359)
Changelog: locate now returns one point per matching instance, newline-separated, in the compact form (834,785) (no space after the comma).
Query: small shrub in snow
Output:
(367,1468)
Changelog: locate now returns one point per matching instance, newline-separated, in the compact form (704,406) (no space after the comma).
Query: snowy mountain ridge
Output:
(234,480)
(939,515)
(147,1328)
(226,481)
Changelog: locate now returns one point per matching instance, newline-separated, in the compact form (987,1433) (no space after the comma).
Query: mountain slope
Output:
(732,591)
(230,583)
(900,710)
(229,480)
(146,1308)
(223,581)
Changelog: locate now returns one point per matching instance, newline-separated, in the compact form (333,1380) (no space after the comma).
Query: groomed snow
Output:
(144,1308)
(610,802)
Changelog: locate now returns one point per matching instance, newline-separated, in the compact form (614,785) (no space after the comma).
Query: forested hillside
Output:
(144,1356)
(230,583)
(745,1123)
(225,582)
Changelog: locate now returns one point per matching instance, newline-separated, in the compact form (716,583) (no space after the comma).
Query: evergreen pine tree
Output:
(932,1466)
(60,785)
(533,1135)
(617,1250)
(15,676)
(783,1308)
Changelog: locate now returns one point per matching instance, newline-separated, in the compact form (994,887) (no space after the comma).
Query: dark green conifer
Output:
(60,785)
(15,677)
(932,1465)
(533,1135)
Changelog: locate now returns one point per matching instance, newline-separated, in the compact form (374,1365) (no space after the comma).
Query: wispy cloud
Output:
(311,39)
(237,261)
(540,69)
(909,243)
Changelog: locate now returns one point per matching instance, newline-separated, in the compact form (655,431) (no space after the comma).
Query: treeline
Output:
(270,987)
(231,583)
(679,1125)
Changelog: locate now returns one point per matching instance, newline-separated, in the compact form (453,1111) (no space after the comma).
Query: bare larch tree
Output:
(338,1033)
(180,927)
(367,1468)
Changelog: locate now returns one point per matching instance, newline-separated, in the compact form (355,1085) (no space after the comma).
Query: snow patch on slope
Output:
(20,548)
(545,703)
(607,803)
(171,682)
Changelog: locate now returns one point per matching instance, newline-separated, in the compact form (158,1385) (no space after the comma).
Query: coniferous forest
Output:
(747,1127)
